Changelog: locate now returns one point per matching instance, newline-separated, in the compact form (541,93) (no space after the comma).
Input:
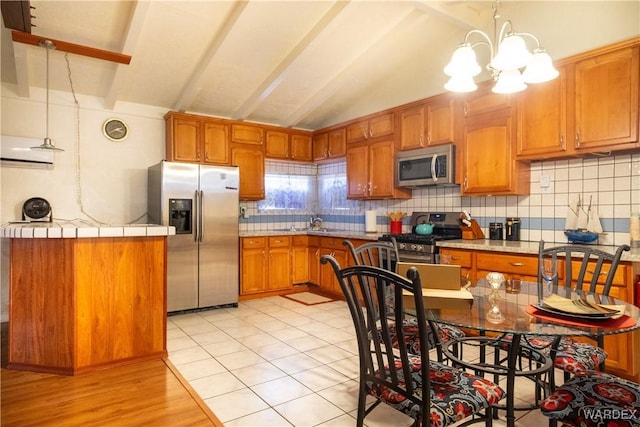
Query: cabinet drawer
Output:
(461,258)
(278,241)
(333,243)
(619,279)
(513,264)
(300,240)
(254,242)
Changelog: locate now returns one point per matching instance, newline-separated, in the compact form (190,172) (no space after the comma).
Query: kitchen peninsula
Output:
(83,297)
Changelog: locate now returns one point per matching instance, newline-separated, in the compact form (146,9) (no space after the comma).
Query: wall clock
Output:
(115,129)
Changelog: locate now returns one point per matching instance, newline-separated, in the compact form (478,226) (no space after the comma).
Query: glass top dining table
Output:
(499,312)
(506,312)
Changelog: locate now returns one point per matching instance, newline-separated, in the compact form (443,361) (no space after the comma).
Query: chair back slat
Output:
(591,261)
(376,254)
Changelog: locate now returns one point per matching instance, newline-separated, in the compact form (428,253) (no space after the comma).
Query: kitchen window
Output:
(288,192)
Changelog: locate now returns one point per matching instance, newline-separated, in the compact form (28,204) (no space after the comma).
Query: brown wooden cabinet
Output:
(253,265)
(371,127)
(277,144)
(247,134)
(279,263)
(327,278)
(542,119)
(488,165)
(412,128)
(314,260)
(196,139)
(370,172)
(79,305)
(429,123)
(606,100)
(299,259)
(300,147)
(251,163)
(329,145)
(288,146)
(440,112)
(592,106)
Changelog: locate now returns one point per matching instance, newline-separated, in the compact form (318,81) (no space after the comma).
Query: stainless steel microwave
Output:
(426,166)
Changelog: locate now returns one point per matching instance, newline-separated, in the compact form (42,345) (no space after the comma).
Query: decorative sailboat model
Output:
(582,226)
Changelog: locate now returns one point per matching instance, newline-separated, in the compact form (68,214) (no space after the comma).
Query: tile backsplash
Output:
(611,183)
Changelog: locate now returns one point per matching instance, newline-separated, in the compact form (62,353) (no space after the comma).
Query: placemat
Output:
(622,322)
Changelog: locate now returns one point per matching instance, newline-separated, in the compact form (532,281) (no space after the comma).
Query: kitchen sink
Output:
(292,229)
(326,230)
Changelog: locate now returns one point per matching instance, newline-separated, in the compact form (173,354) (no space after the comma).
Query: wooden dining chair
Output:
(430,392)
(385,255)
(593,398)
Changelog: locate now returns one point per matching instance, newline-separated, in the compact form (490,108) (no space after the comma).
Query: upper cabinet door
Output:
(183,139)
(247,134)
(606,99)
(251,164)
(488,164)
(440,116)
(277,145)
(542,119)
(300,147)
(412,128)
(216,143)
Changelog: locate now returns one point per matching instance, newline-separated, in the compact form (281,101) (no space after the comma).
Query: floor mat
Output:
(307,298)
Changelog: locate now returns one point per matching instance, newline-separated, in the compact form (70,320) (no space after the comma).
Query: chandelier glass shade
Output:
(511,56)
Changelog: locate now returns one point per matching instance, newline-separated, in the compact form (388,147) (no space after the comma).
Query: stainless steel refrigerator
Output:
(201,202)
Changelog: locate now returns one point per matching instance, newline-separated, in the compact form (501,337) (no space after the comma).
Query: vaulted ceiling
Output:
(302,64)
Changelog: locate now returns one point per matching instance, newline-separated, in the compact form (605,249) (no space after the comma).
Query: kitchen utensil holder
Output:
(472,232)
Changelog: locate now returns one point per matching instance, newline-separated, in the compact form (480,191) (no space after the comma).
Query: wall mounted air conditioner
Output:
(15,151)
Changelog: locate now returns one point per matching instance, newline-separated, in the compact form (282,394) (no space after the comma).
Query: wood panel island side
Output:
(85,298)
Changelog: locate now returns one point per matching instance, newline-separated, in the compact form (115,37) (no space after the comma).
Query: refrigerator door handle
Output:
(196,213)
(201,216)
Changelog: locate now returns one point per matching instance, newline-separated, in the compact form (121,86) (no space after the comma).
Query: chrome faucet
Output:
(315,223)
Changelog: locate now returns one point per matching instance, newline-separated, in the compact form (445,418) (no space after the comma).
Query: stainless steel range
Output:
(413,247)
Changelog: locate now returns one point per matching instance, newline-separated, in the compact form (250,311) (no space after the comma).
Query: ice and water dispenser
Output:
(181,215)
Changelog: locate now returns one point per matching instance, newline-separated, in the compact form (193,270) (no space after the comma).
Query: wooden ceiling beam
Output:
(77,49)
(16,15)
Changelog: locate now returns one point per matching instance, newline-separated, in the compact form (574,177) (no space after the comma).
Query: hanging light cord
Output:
(78,172)
(47,110)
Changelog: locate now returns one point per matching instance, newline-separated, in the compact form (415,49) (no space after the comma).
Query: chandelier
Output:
(509,54)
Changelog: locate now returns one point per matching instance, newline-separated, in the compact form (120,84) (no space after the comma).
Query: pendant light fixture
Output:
(48,143)
(505,64)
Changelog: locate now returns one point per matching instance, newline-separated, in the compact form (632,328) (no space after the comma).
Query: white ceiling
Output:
(304,64)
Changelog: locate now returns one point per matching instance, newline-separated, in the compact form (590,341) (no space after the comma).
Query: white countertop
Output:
(80,229)
(525,247)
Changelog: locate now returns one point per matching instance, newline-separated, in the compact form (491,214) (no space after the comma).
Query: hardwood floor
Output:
(150,393)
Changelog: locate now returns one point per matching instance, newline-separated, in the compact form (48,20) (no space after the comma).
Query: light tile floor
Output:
(277,362)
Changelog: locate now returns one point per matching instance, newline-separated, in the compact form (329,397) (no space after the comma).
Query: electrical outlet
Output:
(243,212)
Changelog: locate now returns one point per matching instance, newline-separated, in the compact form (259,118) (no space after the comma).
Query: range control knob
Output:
(401,246)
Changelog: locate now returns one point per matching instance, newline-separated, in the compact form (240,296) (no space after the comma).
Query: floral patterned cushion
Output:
(412,341)
(593,398)
(455,394)
(571,356)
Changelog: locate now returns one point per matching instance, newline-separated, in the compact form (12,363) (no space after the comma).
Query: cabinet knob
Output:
(563,144)
(517,264)
(577,139)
